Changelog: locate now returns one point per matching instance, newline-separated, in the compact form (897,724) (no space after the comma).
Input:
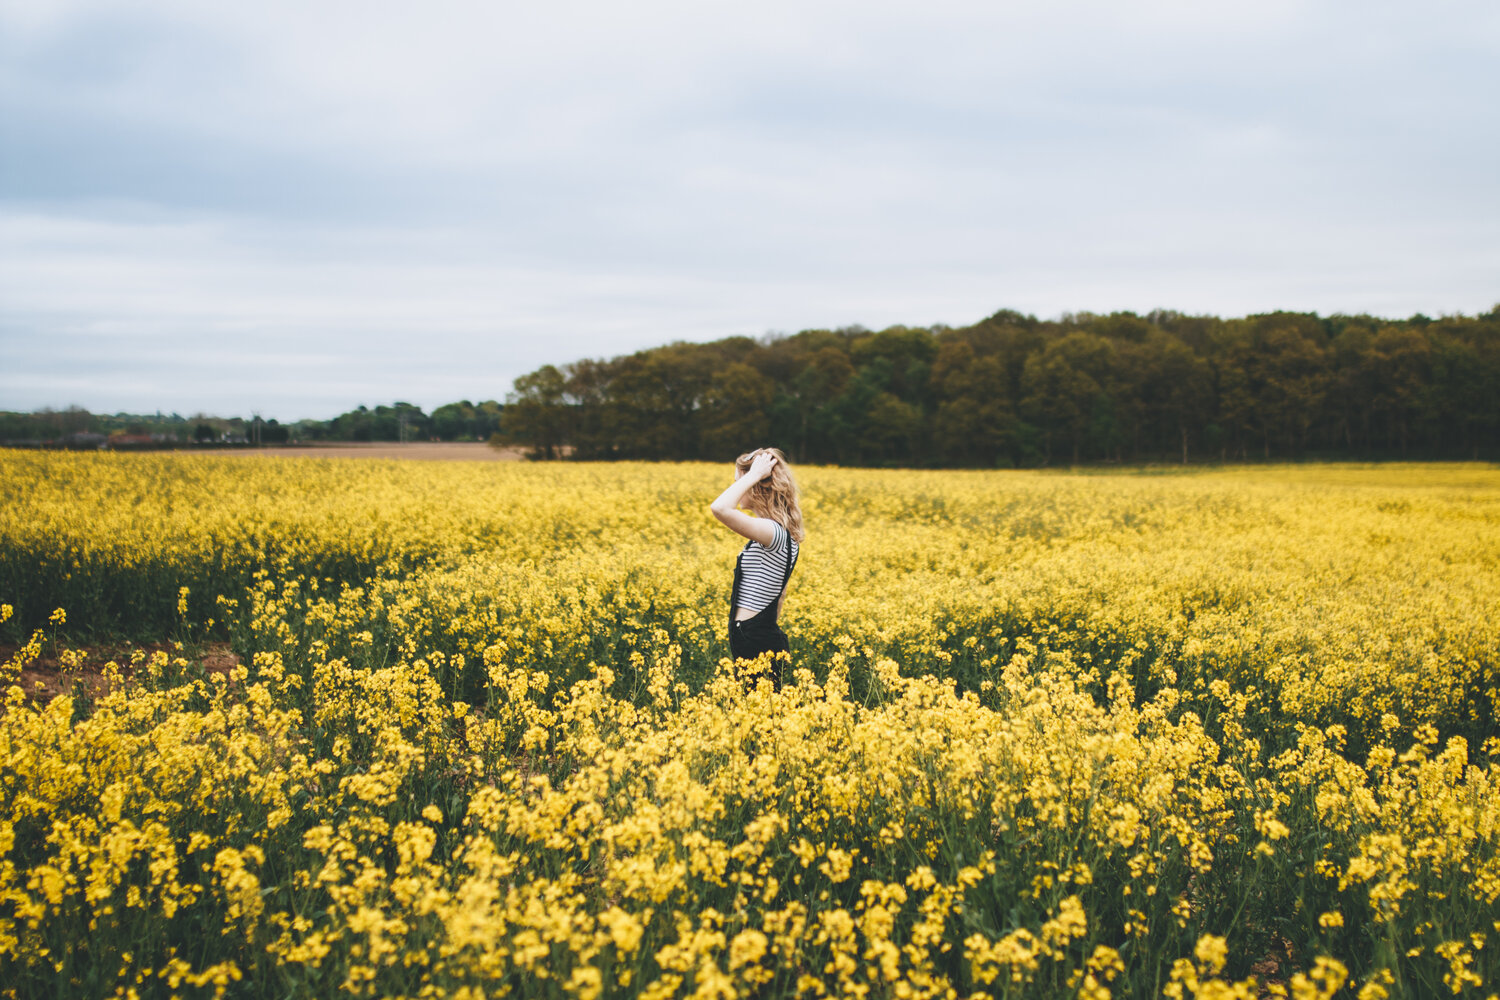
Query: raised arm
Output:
(727,507)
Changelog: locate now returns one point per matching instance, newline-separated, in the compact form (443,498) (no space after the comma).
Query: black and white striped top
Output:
(763,570)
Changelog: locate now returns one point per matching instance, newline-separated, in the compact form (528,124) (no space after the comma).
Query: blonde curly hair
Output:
(775,496)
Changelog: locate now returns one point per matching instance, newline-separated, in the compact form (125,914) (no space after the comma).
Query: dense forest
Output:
(1013,390)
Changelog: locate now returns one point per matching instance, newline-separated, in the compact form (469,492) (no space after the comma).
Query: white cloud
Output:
(378,189)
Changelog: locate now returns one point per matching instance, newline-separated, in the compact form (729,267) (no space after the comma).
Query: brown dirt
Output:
(427,451)
(45,678)
(1271,970)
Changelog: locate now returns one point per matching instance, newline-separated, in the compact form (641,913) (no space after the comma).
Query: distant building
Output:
(140,441)
(84,440)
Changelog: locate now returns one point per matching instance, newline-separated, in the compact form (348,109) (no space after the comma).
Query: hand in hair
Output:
(726,507)
(761,467)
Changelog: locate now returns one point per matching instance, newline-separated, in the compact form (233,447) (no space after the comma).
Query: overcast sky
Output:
(299,207)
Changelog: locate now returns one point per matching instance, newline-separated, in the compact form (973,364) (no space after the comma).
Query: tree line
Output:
(1013,390)
(461,421)
(1009,391)
(76,426)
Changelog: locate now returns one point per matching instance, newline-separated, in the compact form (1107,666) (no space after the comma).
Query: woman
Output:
(763,484)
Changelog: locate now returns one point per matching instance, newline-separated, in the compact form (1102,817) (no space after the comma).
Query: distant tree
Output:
(654,401)
(453,421)
(1015,389)
(535,414)
(1008,337)
(1274,377)
(14,426)
(975,420)
(844,421)
(736,413)
(311,430)
(488,416)
(804,411)
(1347,406)
(1293,365)
(909,353)
(588,388)
(1168,392)
(1397,366)
(60,423)
(892,428)
(1065,393)
(1121,327)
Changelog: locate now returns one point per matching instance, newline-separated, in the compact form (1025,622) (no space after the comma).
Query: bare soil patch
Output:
(425,451)
(47,676)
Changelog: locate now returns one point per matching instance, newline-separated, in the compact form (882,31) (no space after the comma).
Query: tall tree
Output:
(736,412)
(1065,391)
(535,413)
(975,421)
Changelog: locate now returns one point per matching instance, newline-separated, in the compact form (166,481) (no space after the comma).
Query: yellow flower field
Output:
(1184,734)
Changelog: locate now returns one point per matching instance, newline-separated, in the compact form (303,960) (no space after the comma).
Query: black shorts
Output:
(753,636)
